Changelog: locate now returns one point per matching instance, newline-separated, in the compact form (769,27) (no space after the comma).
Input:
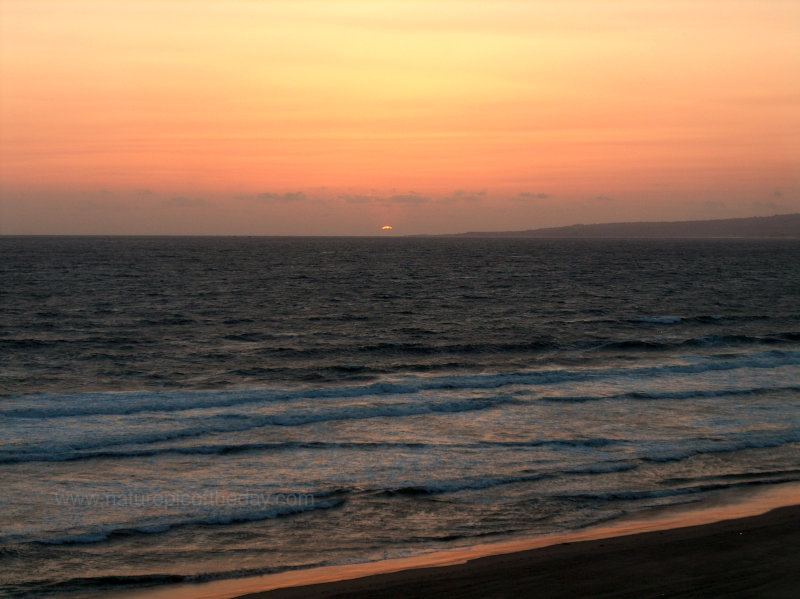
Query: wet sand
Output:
(735,544)
(757,556)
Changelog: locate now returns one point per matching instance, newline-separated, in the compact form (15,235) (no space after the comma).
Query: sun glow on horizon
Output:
(303,117)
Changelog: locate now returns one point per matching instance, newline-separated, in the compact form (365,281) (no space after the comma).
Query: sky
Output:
(323,117)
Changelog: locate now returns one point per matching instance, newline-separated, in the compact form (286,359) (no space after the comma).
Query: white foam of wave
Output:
(97,534)
(60,405)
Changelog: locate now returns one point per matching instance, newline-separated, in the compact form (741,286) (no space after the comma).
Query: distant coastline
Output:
(777,226)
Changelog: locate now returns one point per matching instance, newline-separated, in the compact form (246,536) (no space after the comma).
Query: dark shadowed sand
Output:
(738,543)
(757,556)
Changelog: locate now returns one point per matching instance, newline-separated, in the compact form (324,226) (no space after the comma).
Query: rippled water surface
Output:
(197,408)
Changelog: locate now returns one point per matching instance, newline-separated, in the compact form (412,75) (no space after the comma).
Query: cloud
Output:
(294,196)
(358,199)
(411,197)
(604,198)
(461,195)
(527,195)
(92,205)
(769,205)
(145,192)
(714,206)
(184,202)
(408,198)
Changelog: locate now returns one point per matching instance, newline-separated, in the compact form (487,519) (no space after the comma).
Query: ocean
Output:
(187,409)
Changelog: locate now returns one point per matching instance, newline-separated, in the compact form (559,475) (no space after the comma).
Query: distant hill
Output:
(780,225)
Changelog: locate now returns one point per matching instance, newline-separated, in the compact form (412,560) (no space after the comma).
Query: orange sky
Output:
(335,118)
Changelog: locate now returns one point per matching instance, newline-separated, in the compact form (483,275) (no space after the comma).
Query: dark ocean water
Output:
(181,409)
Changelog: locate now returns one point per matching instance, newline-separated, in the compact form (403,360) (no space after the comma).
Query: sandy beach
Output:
(743,543)
(756,556)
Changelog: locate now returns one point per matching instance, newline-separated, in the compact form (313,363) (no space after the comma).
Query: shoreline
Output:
(749,557)
(675,538)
